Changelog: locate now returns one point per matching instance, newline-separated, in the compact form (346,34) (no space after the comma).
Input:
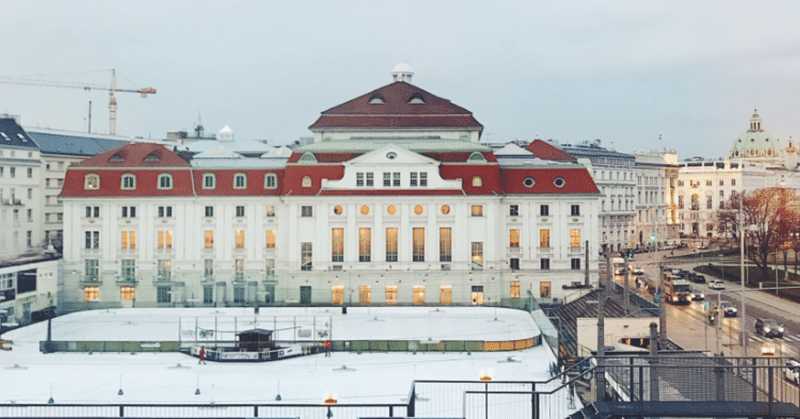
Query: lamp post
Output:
(722,266)
(741,271)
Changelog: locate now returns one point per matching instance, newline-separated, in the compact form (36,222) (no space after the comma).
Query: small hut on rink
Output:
(255,340)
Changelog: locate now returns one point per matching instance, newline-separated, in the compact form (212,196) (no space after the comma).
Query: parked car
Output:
(728,309)
(769,328)
(717,285)
(791,371)
(697,278)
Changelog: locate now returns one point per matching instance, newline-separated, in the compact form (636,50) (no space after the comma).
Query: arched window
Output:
(91,182)
(306,182)
(270,181)
(239,181)
(476,157)
(307,158)
(128,181)
(209,181)
(477,182)
(164,181)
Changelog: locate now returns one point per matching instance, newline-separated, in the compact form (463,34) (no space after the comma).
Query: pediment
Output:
(391,155)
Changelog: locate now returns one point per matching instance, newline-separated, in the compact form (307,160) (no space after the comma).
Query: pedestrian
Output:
(202,355)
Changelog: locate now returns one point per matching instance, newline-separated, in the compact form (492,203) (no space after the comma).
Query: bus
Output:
(618,264)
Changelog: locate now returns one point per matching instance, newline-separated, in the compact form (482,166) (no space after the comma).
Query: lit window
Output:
(419,294)
(391,244)
(364,294)
(128,182)
(365,210)
(418,209)
(391,210)
(513,237)
(418,236)
(337,294)
(364,244)
(445,244)
(477,210)
(514,289)
(544,287)
(128,239)
(239,181)
(91,293)
(575,237)
(306,256)
(209,181)
(91,182)
(544,237)
(271,239)
(477,182)
(445,209)
(164,239)
(445,294)
(240,239)
(208,238)
(270,181)
(337,245)
(477,256)
(164,181)
(338,210)
(391,294)
(270,211)
(306,182)
(127,293)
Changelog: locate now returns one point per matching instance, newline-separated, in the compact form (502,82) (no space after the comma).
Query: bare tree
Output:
(769,216)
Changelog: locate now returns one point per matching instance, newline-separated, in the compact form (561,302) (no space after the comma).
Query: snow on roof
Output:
(512,149)
(154,378)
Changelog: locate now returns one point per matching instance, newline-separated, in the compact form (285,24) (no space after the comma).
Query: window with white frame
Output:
(270,181)
(128,181)
(164,181)
(239,181)
(209,181)
(90,181)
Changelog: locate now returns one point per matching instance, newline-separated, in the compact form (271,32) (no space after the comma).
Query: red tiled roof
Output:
(546,151)
(396,111)
(577,180)
(110,180)
(136,155)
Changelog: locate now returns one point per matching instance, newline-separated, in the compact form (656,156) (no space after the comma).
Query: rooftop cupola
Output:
(402,72)
(755,122)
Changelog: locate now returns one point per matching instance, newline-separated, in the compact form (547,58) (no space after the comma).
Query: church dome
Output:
(757,143)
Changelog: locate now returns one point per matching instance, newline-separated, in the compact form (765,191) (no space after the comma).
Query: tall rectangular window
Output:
(477,256)
(306,211)
(238,272)
(91,293)
(445,244)
(337,245)
(164,270)
(240,239)
(128,270)
(387,179)
(477,210)
(544,210)
(128,239)
(165,212)
(445,294)
(240,210)
(370,179)
(364,294)
(419,294)
(337,294)
(360,179)
(418,251)
(423,179)
(165,239)
(575,237)
(391,294)
(129,212)
(391,244)
(513,210)
(515,288)
(513,237)
(575,210)
(92,239)
(127,293)
(544,289)
(271,239)
(306,256)
(575,263)
(208,238)
(412,181)
(396,179)
(209,211)
(208,269)
(364,244)
(544,237)
(270,269)
(92,270)
(544,264)
(164,294)
(270,211)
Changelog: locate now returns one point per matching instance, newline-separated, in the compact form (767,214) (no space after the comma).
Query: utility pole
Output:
(741,270)
(601,343)
(586,265)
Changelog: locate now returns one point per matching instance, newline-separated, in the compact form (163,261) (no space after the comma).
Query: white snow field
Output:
(31,377)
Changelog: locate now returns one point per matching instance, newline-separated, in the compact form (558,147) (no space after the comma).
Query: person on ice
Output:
(202,355)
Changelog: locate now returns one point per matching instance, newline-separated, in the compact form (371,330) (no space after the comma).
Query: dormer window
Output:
(209,181)
(306,182)
(5,137)
(377,99)
(307,158)
(477,182)
(22,137)
(164,181)
(128,181)
(116,157)
(476,157)
(152,157)
(416,98)
(270,181)
(91,182)
(239,181)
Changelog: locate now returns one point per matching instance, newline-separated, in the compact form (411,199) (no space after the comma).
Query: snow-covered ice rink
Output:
(368,377)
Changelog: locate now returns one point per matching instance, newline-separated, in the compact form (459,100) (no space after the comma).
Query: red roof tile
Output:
(577,180)
(136,155)
(546,151)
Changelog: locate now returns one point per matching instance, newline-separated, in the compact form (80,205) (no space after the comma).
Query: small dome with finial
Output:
(402,72)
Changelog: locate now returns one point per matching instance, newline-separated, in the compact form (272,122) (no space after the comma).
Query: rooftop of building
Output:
(13,135)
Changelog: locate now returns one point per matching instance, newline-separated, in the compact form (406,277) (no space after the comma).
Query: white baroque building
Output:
(395,202)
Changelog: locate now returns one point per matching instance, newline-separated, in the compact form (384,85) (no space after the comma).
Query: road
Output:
(688,326)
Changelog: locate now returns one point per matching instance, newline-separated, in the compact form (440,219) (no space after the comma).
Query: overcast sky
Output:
(623,72)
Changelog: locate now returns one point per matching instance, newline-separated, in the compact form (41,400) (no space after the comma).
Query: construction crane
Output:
(112,101)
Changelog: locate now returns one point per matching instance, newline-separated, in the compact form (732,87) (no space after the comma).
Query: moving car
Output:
(717,285)
(728,309)
(768,349)
(638,270)
(791,371)
(700,279)
(697,294)
(769,328)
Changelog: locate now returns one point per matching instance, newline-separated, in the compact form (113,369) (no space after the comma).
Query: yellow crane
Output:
(112,101)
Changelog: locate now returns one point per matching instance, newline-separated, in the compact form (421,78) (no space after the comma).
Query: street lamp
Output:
(722,266)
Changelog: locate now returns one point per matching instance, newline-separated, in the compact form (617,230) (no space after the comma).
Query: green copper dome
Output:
(757,143)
